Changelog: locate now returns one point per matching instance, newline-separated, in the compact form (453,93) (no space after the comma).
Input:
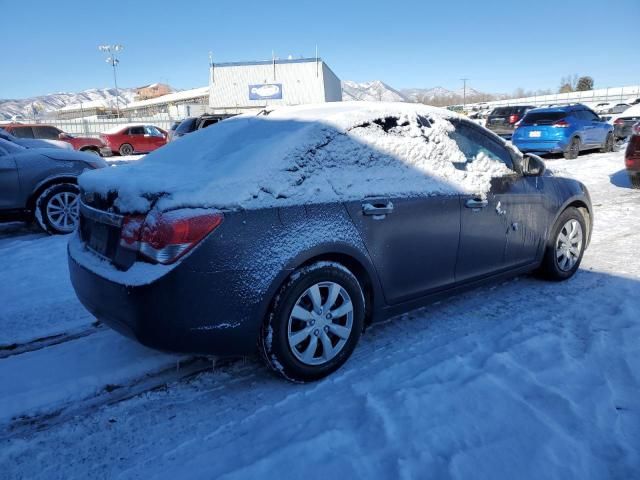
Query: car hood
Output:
(69,155)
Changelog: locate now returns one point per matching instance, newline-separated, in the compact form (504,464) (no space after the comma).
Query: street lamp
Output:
(112,58)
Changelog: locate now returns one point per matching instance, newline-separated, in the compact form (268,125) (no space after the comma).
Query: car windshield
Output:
(186,126)
(11,147)
(542,118)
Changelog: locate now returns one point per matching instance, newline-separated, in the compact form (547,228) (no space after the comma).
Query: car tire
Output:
(57,208)
(635,181)
(125,149)
(565,246)
(573,150)
(608,145)
(314,324)
(91,150)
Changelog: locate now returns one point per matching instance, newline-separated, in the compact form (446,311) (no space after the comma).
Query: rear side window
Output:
(22,132)
(209,121)
(474,144)
(48,133)
(136,131)
(542,118)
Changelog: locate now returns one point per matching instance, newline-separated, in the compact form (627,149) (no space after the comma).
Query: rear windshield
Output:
(542,118)
(188,125)
(510,110)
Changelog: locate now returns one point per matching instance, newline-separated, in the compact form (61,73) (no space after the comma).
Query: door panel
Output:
(414,245)
(10,196)
(506,232)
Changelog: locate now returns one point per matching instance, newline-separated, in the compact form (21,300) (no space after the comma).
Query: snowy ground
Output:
(526,379)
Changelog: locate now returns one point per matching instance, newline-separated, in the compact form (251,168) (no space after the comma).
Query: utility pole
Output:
(464,93)
(112,58)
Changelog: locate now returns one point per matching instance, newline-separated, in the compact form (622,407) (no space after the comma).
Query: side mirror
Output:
(62,136)
(532,165)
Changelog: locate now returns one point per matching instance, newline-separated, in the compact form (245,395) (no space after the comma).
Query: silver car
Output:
(41,184)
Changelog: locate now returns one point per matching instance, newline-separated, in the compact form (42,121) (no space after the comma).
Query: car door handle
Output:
(377,208)
(476,203)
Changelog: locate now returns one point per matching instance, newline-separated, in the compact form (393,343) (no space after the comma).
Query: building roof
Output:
(267,62)
(171,97)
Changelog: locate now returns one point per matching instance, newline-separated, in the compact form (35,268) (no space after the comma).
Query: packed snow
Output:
(307,154)
(523,379)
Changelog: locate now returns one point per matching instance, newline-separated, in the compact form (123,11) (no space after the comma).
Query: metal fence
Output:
(609,94)
(93,127)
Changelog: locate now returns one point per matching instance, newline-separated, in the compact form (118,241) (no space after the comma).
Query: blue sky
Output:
(52,46)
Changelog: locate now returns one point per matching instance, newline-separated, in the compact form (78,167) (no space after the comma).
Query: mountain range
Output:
(351,91)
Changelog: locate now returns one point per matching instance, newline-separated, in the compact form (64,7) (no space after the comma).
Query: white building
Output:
(245,86)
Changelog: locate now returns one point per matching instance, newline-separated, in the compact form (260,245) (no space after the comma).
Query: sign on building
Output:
(265,91)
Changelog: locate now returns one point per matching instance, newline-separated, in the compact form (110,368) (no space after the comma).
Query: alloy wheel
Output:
(569,245)
(62,211)
(320,323)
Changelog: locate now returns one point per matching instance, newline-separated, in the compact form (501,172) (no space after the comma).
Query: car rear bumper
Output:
(544,146)
(182,311)
(501,130)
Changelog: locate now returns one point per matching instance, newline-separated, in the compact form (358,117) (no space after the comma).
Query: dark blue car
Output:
(568,130)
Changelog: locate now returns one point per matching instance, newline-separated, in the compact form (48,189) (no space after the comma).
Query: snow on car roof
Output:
(305,154)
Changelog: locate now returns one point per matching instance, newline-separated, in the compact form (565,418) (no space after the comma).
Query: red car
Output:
(632,156)
(134,139)
(49,132)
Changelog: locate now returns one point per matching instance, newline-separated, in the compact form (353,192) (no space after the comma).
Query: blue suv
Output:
(568,129)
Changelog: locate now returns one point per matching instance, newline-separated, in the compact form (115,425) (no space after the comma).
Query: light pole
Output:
(112,58)
(464,94)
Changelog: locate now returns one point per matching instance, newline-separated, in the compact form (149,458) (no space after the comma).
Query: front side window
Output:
(153,131)
(475,145)
(47,133)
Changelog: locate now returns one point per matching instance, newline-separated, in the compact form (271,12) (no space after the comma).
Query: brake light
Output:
(561,124)
(513,118)
(635,129)
(165,237)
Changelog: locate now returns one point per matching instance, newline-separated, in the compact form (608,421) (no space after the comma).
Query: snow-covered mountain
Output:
(427,94)
(29,107)
(375,91)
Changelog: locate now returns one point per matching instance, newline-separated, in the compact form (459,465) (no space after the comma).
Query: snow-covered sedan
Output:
(294,229)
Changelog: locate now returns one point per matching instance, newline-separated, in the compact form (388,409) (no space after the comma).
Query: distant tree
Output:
(568,83)
(584,84)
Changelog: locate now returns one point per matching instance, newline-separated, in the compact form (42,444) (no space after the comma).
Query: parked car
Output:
(34,142)
(132,139)
(191,124)
(618,108)
(623,124)
(502,120)
(49,132)
(41,184)
(568,130)
(632,156)
(294,230)
(172,130)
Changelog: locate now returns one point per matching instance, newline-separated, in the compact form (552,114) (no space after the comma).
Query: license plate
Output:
(535,133)
(99,238)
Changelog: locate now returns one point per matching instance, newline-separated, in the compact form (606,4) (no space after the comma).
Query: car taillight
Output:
(167,236)
(513,118)
(561,124)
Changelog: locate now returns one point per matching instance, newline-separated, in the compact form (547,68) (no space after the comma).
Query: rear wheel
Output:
(57,209)
(566,246)
(573,150)
(125,149)
(635,180)
(91,150)
(315,322)
(608,144)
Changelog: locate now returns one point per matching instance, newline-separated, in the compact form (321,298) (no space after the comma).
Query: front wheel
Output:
(573,150)
(566,246)
(315,322)
(57,209)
